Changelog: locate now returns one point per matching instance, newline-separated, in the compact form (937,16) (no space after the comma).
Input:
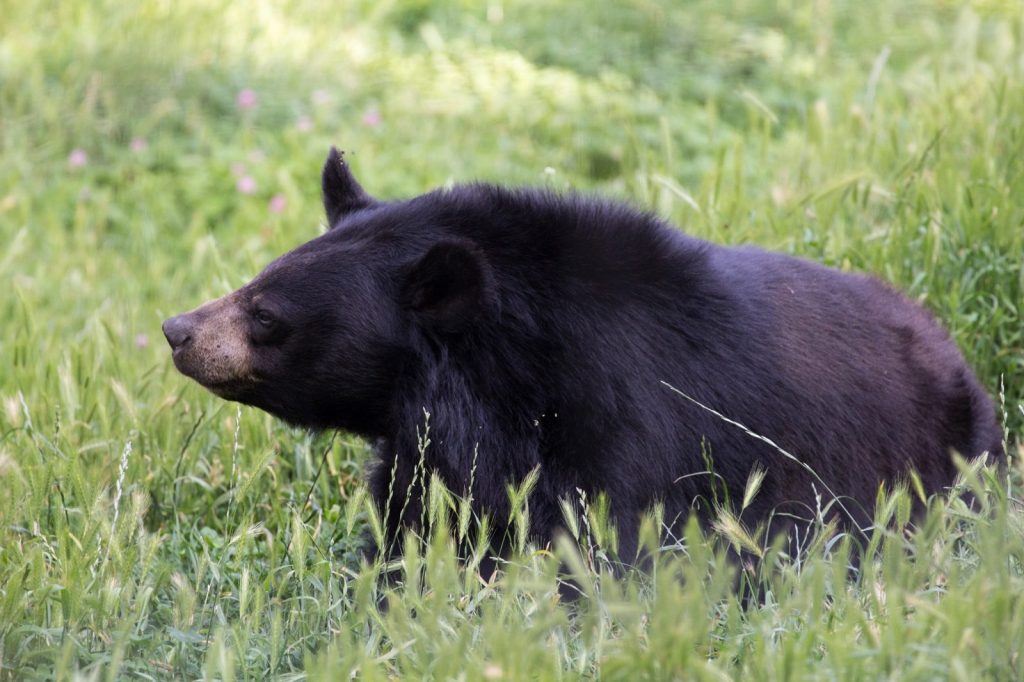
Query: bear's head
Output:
(324,335)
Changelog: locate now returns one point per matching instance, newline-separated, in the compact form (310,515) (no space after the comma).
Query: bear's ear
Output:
(449,286)
(342,194)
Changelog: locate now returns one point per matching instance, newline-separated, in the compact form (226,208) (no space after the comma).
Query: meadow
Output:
(156,154)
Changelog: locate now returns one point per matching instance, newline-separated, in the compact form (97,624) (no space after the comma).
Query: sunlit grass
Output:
(157,154)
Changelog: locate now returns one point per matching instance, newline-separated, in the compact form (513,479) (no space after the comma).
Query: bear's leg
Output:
(398,498)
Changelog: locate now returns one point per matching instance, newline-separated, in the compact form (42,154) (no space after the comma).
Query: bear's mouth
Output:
(236,388)
(239,391)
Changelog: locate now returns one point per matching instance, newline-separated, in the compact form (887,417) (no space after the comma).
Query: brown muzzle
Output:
(211,345)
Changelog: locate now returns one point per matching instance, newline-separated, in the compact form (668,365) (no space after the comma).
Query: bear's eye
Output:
(264,318)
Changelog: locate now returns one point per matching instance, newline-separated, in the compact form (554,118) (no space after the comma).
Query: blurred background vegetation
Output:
(157,153)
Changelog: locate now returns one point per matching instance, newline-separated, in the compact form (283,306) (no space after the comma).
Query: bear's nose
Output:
(178,331)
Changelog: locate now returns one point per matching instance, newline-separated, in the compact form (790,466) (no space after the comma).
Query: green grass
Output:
(149,530)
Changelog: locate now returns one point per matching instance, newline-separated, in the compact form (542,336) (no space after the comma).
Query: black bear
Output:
(542,331)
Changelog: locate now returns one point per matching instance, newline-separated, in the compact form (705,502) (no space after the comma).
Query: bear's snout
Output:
(211,345)
(178,330)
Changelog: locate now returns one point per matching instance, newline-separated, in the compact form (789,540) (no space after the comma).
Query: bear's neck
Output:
(462,413)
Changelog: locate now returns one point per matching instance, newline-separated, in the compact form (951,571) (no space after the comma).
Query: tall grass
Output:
(150,530)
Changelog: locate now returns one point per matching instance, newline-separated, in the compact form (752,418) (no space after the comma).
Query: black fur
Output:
(342,194)
(537,330)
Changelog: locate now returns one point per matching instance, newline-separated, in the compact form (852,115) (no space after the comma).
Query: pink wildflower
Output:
(77,158)
(246,185)
(304,124)
(141,341)
(246,99)
(139,144)
(372,119)
(278,203)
